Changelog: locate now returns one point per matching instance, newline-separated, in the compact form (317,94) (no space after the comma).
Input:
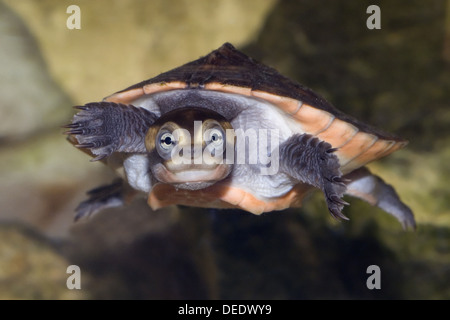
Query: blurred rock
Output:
(42,182)
(31,267)
(38,178)
(135,253)
(124,42)
(301,258)
(30,101)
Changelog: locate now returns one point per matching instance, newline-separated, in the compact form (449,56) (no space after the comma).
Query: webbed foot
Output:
(371,188)
(106,127)
(100,198)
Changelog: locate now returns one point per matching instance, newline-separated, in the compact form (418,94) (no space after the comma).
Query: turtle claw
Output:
(339,201)
(340,180)
(75,131)
(85,107)
(85,145)
(332,150)
(337,214)
(333,185)
(335,206)
(98,158)
(71,126)
(333,195)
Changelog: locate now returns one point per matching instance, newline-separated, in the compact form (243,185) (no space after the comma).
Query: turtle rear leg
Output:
(371,188)
(112,195)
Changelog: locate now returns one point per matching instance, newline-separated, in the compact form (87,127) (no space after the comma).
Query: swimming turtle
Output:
(226,131)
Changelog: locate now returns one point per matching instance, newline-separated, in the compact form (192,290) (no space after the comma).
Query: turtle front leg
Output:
(106,127)
(310,160)
(372,189)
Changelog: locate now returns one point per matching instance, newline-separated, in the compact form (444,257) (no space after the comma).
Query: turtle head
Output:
(188,148)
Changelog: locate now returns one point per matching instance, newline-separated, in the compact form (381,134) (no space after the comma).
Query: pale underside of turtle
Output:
(319,146)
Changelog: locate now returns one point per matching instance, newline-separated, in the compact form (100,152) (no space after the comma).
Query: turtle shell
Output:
(229,71)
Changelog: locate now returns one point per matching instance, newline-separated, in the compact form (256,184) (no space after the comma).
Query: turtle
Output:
(227,131)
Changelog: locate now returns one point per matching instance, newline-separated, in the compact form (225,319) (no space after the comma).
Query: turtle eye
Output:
(166,141)
(214,137)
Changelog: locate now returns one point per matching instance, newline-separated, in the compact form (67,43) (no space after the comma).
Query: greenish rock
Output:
(32,268)
(30,101)
(122,43)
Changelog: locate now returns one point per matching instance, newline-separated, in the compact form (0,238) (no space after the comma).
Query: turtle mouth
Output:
(192,177)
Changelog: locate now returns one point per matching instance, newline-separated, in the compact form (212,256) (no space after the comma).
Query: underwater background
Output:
(396,78)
